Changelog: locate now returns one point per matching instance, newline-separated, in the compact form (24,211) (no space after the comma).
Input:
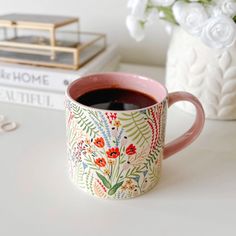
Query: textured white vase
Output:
(210,74)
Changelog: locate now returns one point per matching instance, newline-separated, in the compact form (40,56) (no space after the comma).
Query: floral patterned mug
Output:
(118,154)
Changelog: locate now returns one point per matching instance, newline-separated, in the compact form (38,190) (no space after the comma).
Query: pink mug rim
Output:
(122,74)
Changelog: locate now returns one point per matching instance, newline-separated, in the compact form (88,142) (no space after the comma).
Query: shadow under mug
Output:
(118,154)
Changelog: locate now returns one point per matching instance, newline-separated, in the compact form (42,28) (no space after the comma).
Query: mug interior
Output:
(117,80)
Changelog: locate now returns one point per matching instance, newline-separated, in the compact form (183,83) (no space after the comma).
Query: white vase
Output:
(209,74)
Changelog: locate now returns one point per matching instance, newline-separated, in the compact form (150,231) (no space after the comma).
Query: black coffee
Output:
(116,99)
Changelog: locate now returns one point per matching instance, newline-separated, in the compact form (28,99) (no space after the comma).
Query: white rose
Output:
(138,8)
(164,3)
(214,11)
(225,7)
(191,16)
(135,27)
(219,32)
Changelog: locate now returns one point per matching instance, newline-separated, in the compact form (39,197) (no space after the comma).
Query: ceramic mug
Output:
(118,154)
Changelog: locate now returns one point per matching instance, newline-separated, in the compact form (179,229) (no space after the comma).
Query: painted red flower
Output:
(131,150)
(99,142)
(113,152)
(111,116)
(100,162)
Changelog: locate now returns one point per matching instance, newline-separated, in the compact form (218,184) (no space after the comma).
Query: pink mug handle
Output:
(189,136)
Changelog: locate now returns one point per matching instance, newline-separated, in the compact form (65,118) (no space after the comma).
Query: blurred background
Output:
(106,16)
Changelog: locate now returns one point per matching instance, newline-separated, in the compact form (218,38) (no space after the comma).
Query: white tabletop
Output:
(196,194)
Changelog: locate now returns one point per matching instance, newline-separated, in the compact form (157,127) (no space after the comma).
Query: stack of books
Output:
(45,87)
(38,60)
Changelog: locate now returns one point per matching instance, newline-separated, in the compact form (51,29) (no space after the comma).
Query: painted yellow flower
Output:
(89,150)
(87,141)
(131,187)
(129,182)
(117,123)
(107,172)
(123,187)
(110,162)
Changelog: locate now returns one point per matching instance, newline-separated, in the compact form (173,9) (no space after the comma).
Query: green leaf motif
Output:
(84,122)
(80,175)
(113,190)
(152,157)
(104,180)
(154,174)
(135,172)
(136,127)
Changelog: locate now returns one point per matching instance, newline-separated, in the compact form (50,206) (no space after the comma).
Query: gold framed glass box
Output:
(53,41)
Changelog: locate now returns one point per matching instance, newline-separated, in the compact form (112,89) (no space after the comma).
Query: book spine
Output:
(34,78)
(52,79)
(27,97)
(39,98)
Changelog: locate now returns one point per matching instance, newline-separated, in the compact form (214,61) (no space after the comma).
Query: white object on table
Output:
(7,126)
(208,73)
(196,194)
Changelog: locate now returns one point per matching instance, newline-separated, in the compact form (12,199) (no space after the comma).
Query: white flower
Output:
(225,7)
(164,3)
(135,27)
(131,3)
(138,8)
(169,28)
(212,22)
(214,11)
(152,16)
(191,16)
(219,32)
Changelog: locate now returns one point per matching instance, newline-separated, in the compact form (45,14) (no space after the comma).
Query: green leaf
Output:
(104,180)
(84,123)
(168,14)
(115,188)
(153,156)
(136,127)
(135,172)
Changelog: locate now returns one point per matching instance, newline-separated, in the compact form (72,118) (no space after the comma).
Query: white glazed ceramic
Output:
(118,154)
(209,74)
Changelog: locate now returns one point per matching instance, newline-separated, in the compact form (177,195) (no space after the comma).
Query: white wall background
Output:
(105,16)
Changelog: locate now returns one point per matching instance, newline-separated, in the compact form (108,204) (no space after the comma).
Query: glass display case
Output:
(45,40)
